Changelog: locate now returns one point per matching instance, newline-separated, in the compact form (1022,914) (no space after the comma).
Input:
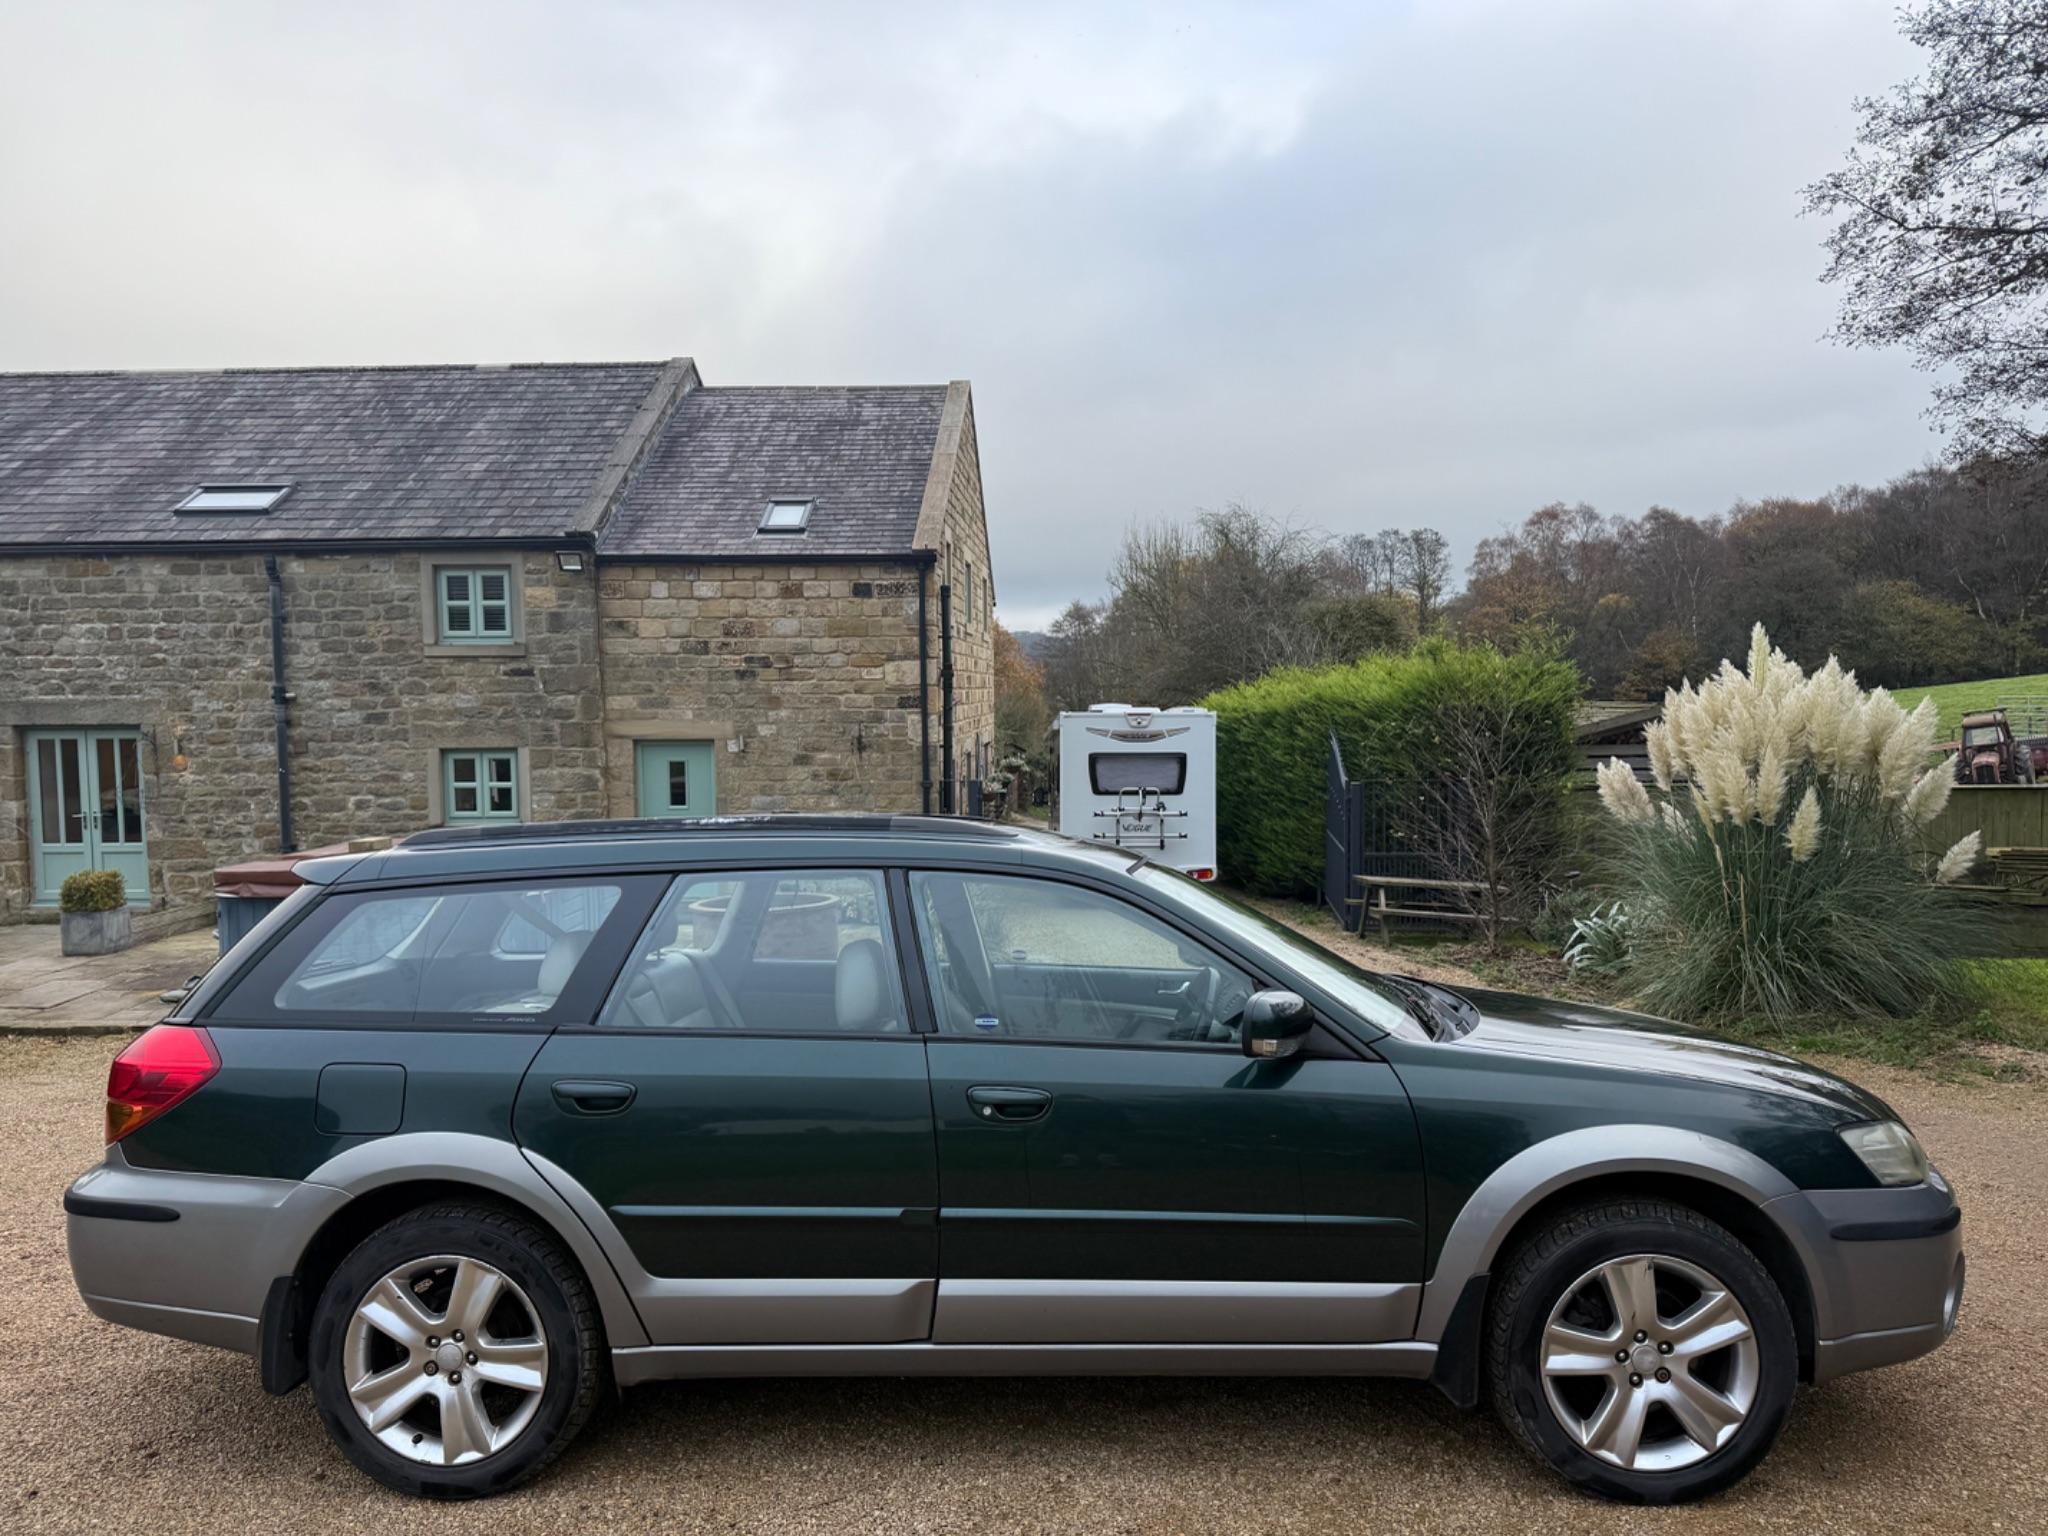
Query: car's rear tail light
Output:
(1203,874)
(161,1068)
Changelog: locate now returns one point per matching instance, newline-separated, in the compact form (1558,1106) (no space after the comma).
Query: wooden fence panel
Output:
(2008,816)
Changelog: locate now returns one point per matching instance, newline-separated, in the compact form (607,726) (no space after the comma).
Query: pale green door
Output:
(676,778)
(85,809)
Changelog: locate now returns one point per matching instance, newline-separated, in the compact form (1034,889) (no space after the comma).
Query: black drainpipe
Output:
(280,705)
(948,800)
(924,689)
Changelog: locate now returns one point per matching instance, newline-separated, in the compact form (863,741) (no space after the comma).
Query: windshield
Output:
(1352,986)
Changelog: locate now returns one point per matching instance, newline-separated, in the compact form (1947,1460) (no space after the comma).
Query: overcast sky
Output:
(1357,265)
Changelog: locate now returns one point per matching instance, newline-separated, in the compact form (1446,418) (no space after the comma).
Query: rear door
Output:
(749,1117)
(1114,1169)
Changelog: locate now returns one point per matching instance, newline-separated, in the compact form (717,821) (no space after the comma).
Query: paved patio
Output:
(44,992)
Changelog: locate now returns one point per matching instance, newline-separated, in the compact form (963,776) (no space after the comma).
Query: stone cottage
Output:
(247,610)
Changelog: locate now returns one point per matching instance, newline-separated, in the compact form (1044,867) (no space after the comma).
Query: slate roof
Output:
(863,454)
(435,453)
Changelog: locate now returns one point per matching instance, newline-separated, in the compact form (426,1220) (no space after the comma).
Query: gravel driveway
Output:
(104,1429)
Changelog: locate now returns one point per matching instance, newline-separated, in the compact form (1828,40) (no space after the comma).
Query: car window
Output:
(1018,958)
(510,951)
(1351,986)
(579,908)
(772,951)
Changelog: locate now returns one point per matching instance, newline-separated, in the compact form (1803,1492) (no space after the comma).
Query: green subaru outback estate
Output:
(471,1131)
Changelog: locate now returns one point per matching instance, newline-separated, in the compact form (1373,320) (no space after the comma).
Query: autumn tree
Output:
(1424,568)
(1023,713)
(1198,606)
(1940,239)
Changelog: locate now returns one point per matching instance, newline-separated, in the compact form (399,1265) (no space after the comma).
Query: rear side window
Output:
(510,952)
(1164,773)
(769,951)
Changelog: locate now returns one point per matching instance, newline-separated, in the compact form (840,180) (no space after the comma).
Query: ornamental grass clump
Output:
(1779,868)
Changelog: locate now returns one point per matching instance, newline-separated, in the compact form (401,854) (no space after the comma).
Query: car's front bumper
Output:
(191,1255)
(1886,1269)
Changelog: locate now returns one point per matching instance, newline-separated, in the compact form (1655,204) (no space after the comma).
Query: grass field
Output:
(1956,700)
(2007,1006)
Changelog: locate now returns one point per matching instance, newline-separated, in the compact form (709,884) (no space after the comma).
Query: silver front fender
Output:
(1536,1173)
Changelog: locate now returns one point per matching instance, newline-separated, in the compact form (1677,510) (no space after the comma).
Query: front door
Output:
(85,809)
(676,778)
(1114,1169)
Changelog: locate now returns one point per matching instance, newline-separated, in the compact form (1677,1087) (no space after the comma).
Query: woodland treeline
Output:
(1939,576)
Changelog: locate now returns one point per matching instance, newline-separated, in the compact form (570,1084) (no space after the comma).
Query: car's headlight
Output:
(1888,1150)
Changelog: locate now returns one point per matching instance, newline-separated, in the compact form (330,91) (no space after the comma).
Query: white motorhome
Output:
(1142,779)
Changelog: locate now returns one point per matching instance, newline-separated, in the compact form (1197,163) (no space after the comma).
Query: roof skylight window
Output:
(233,498)
(786,517)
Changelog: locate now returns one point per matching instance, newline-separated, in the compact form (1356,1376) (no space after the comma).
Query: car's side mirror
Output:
(1275,1024)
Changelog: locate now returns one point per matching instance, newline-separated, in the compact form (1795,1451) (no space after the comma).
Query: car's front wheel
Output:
(456,1351)
(1642,1351)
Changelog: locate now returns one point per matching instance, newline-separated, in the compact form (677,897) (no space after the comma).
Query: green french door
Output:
(85,809)
(676,778)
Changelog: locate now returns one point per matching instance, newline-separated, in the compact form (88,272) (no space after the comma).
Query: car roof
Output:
(519,848)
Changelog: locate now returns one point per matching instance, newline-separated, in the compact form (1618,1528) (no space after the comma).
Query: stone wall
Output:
(811,670)
(964,564)
(179,647)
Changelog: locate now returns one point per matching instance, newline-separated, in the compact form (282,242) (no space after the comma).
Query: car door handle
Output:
(1014,1106)
(585,1096)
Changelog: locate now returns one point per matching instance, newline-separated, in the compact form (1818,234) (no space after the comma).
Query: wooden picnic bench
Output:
(1375,903)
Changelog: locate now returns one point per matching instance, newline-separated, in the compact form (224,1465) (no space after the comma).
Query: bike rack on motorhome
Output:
(1142,779)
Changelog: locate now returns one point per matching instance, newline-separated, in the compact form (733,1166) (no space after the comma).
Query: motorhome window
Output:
(1111,773)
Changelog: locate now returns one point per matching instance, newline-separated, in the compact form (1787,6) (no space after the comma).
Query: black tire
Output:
(577,1364)
(1543,1270)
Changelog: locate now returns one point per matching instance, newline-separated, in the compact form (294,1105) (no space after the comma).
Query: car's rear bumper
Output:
(192,1255)
(1886,1268)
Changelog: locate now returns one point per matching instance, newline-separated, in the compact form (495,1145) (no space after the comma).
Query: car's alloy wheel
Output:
(1640,1349)
(1650,1363)
(456,1351)
(445,1360)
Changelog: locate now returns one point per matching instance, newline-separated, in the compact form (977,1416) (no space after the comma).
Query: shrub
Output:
(1398,718)
(1556,922)
(1600,943)
(1779,868)
(93,890)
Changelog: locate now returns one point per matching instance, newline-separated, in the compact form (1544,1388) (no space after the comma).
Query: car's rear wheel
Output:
(456,1352)
(1642,1351)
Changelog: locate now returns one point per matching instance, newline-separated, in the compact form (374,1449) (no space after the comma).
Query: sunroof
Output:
(786,517)
(233,498)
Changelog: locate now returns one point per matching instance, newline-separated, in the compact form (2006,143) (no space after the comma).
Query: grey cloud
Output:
(1408,264)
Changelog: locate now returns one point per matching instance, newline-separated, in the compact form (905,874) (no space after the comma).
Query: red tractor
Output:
(1990,754)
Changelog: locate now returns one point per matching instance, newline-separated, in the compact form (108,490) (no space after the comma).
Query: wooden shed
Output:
(1614,728)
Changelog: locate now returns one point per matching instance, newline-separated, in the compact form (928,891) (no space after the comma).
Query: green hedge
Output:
(1272,742)
(92,890)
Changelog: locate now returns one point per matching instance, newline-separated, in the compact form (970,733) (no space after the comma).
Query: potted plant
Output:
(94,908)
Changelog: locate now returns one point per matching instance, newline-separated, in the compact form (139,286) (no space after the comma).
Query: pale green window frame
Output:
(479,786)
(475,604)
